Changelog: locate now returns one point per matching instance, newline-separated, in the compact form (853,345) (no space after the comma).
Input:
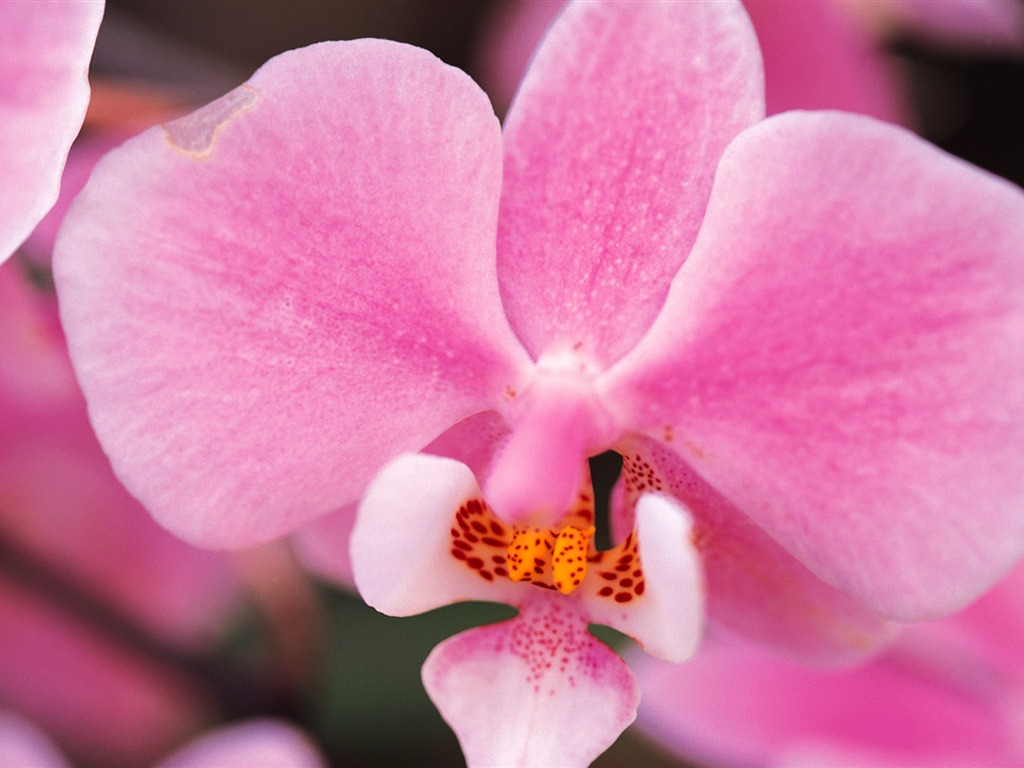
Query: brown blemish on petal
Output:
(196,133)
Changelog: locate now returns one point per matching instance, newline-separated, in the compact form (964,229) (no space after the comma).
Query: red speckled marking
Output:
(480,540)
(561,558)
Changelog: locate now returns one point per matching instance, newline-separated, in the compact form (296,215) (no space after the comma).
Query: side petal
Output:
(841,358)
(253,744)
(658,600)
(268,299)
(536,690)
(45,49)
(405,559)
(610,149)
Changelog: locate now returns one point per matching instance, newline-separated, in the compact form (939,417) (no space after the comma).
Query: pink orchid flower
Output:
(45,49)
(801,333)
(948,693)
(250,744)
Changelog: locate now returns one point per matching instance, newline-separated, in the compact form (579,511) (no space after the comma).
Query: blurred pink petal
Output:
(815,58)
(850,321)
(252,744)
(306,269)
(60,500)
(967,25)
(22,745)
(61,506)
(943,695)
(35,374)
(45,48)
(113,707)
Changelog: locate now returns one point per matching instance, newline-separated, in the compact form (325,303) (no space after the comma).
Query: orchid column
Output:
(803,334)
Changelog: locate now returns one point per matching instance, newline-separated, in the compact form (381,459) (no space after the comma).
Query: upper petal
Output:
(841,357)
(610,149)
(45,48)
(269,298)
(537,690)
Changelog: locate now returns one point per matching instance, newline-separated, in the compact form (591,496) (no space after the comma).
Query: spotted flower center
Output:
(561,557)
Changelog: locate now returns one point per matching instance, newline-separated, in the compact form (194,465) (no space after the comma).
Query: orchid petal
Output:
(25,746)
(536,690)
(403,554)
(254,744)
(45,49)
(75,684)
(735,704)
(754,586)
(840,358)
(269,298)
(610,150)
(661,606)
(35,375)
(60,501)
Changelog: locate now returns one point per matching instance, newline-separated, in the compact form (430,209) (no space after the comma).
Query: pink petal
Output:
(754,586)
(254,744)
(106,704)
(323,545)
(841,358)
(22,745)
(35,375)
(611,146)
(268,299)
(537,690)
(60,501)
(734,704)
(667,617)
(45,49)
(815,57)
(402,550)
